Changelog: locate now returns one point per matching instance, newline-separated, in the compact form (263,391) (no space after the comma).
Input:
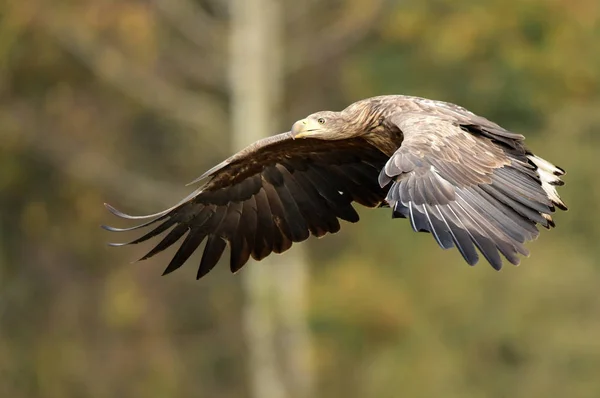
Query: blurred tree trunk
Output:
(275,288)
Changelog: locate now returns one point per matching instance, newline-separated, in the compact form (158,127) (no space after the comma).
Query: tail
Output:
(550,179)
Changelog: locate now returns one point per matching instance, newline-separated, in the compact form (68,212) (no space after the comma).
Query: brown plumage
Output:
(462,178)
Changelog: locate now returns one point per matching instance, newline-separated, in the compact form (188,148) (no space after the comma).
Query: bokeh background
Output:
(125,101)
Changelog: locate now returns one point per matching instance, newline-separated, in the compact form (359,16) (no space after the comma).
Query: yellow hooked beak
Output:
(305,128)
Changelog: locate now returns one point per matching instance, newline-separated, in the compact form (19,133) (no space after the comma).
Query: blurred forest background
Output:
(126,101)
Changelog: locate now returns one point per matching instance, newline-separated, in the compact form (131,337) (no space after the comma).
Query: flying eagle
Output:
(462,178)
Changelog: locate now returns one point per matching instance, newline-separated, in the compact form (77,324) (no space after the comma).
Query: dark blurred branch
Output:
(91,167)
(219,7)
(357,20)
(181,60)
(195,25)
(205,63)
(195,110)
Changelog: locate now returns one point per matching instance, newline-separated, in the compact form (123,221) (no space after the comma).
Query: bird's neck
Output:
(387,140)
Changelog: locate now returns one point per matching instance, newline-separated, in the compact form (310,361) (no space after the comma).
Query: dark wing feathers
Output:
(265,230)
(327,219)
(283,233)
(215,246)
(469,183)
(266,197)
(305,202)
(245,241)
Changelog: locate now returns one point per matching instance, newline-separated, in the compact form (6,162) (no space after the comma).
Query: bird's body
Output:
(466,180)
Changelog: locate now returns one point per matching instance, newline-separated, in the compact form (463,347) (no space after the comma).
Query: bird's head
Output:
(325,125)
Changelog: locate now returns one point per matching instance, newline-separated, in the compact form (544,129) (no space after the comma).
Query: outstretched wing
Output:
(470,183)
(272,193)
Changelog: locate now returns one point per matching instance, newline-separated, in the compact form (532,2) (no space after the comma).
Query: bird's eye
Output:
(321,120)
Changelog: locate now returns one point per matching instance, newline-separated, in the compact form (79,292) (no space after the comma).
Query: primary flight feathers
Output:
(462,178)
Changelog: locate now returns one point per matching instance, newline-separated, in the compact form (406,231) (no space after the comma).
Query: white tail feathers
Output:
(550,179)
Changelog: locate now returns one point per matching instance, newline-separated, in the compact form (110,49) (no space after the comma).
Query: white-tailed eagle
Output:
(462,178)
